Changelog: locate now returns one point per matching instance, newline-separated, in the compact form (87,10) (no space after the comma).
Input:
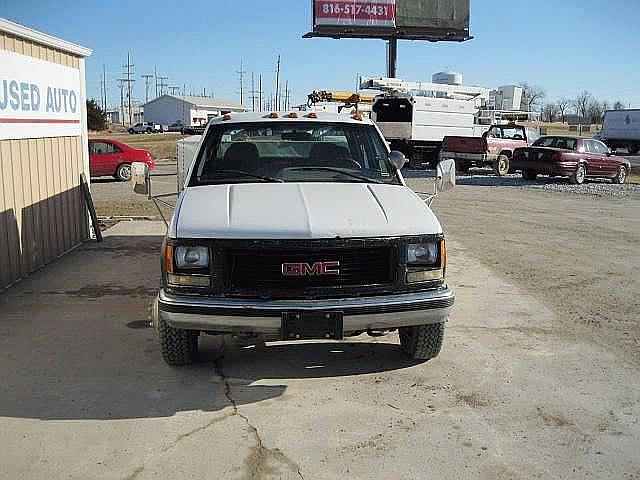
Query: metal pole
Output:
(260,93)
(392,57)
(277,100)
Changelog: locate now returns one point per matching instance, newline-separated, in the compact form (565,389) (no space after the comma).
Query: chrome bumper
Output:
(265,316)
(471,157)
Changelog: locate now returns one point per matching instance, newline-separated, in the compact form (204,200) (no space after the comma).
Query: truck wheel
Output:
(621,177)
(123,173)
(529,174)
(633,148)
(422,342)
(577,177)
(179,347)
(501,166)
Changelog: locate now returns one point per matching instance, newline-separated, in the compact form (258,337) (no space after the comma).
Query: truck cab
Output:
(494,148)
(297,226)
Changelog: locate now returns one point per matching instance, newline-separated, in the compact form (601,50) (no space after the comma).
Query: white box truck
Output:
(621,129)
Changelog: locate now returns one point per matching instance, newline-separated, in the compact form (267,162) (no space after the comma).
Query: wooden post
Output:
(92,209)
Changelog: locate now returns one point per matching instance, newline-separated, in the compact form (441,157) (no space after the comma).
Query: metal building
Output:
(43,149)
(189,110)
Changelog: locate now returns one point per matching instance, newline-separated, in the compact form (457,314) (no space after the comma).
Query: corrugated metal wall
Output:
(42,213)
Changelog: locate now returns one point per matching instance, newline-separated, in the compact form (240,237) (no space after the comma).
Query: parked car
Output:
(293,228)
(494,148)
(114,158)
(175,127)
(575,157)
(145,127)
(193,129)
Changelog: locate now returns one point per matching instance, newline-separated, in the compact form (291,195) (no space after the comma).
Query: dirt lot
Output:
(513,395)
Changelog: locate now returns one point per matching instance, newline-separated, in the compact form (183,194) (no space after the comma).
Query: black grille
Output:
(262,269)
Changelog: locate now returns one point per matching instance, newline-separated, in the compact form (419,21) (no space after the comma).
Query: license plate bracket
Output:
(306,325)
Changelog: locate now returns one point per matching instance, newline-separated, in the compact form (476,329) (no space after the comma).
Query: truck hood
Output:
(301,211)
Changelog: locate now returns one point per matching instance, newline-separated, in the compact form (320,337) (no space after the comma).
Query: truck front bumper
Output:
(471,158)
(242,316)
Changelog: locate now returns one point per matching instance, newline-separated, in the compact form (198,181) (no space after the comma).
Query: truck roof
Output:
(285,116)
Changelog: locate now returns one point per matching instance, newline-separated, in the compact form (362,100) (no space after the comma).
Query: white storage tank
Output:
(447,78)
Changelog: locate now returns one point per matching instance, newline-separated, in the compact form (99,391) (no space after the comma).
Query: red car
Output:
(113,158)
(574,157)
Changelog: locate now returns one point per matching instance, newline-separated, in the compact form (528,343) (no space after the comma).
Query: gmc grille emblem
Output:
(310,270)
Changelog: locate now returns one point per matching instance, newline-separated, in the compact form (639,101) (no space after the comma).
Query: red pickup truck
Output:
(494,148)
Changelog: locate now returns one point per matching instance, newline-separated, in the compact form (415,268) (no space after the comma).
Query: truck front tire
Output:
(422,342)
(501,165)
(179,347)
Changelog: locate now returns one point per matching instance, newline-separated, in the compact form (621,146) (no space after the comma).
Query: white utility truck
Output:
(296,226)
(416,116)
(621,129)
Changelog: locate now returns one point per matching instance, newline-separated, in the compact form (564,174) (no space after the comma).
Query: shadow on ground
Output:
(74,345)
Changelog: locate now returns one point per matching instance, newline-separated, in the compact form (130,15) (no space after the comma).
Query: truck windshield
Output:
(293,152)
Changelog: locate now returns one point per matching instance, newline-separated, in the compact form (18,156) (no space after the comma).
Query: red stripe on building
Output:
(37,120)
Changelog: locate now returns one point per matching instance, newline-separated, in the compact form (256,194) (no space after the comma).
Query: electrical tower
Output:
(278,84)
(129,80)
(147,81)
(241,73)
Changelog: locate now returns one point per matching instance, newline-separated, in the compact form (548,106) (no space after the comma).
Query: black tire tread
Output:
(179,347)
(529,174)
(422,342)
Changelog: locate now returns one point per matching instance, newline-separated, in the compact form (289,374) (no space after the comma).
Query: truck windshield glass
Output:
(293,152)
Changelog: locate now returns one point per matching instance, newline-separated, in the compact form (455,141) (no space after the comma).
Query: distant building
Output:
(507,97)
(189,110)
(115,115)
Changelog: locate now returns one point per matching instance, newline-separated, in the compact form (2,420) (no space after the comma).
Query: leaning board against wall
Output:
(43,149)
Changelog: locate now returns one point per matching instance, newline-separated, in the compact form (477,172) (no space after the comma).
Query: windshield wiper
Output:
(252,175)
(337,170)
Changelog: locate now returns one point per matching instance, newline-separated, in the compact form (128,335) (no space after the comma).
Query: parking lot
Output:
(538,377)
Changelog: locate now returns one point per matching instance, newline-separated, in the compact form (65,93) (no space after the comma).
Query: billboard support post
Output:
(392,57)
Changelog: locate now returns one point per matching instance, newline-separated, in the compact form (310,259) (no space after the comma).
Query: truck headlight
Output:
(422,254)
(426,261)
(191,257)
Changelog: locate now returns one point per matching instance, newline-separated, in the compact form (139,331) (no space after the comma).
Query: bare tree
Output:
(563,105)
(582,103)
(594,111)
(550,112)
(532,95)
(618,105)
(605,106)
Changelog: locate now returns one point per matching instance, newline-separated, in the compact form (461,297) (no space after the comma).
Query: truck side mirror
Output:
(397,159)
(445,175)
(140,178)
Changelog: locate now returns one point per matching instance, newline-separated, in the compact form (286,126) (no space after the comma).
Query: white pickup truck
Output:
(298,226)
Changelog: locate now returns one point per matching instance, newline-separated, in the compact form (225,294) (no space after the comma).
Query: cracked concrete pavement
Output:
(513,395)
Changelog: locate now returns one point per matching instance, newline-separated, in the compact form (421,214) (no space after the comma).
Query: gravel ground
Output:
(598,188)
(575,253)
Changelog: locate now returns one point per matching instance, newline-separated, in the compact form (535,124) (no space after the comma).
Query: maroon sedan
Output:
(574,157)
(113,158)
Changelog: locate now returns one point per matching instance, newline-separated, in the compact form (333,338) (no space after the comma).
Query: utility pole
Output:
(155,74)
(147,81)
(173,89)
(121,82)
(278,84)
(104,87)
(260,93)
(129,72)
(163,84)
(253,94)
(241,73)
(286,95)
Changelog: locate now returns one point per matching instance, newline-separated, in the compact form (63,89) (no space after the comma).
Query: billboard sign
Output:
(433,20)
(379,13)
(38,98)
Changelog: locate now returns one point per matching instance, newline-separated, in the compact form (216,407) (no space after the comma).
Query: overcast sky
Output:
(562,45)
